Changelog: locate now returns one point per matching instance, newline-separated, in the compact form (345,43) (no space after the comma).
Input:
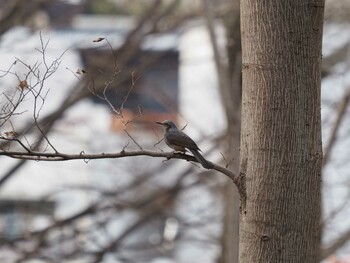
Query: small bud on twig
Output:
(80,71)
(98,39)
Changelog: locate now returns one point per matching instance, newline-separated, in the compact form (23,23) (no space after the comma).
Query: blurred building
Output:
(171,77)
(149,91)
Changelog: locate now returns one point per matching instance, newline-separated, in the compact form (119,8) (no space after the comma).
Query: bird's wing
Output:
(181,139)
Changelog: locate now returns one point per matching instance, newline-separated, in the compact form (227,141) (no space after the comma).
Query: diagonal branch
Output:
(340,242)
(340,117)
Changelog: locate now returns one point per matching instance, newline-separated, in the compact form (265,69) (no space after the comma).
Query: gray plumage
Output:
(180,141)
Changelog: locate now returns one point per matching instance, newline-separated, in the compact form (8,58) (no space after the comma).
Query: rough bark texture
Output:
(281,131)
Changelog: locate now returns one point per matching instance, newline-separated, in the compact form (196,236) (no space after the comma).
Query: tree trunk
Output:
(229,78)
(281,152)
(231,99)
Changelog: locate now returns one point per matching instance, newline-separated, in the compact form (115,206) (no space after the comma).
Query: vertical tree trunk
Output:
(231,99)
(229,77)
(281,130)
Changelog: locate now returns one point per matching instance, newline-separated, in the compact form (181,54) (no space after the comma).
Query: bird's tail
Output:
(206,164)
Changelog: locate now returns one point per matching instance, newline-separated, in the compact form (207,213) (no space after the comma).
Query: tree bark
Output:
(281,152)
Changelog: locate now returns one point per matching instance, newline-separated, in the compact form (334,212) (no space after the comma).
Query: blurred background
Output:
(94,76)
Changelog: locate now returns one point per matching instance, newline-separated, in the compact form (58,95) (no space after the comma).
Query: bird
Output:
(179,141)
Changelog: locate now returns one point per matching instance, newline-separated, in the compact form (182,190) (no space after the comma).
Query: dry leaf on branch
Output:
(23,84)
(9,135)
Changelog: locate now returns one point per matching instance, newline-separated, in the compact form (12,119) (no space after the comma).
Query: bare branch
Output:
(340,242)
(339,119)
(42,156)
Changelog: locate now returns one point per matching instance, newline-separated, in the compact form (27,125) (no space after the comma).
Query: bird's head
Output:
(167,124)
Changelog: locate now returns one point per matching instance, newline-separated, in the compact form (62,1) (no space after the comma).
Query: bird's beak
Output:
(160,123)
